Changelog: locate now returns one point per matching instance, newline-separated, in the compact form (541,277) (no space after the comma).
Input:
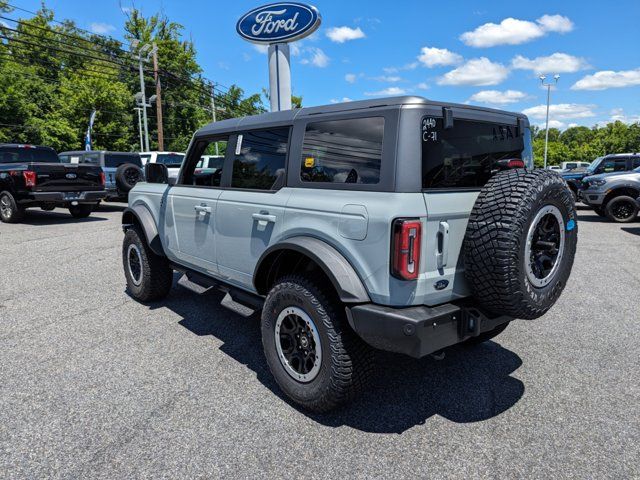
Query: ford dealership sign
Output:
(279,23)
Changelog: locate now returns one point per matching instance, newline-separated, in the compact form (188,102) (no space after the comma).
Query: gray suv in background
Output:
(399,224)
(613,195)
(122,169)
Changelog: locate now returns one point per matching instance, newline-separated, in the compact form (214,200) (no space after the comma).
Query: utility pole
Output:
(213,109)
(144,102)
(156,77)
(546,132)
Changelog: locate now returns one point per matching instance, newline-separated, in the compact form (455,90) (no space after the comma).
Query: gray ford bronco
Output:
(399,224)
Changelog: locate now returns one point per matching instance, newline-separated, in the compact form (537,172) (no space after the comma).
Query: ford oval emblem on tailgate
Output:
(71,176)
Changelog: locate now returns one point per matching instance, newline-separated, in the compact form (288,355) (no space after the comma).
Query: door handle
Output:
(442,252)
(264,217)
(202,209)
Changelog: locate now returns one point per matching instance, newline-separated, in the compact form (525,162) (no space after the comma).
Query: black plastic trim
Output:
(145,219)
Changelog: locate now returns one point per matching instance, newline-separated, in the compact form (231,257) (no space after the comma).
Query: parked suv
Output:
(122,170)
(617,162)
(613,195)
(173,160)
(32,176)
(400,224)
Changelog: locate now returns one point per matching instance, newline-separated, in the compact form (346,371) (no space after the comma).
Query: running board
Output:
(237,300)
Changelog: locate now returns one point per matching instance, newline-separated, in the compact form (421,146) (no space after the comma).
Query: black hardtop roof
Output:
(288,116)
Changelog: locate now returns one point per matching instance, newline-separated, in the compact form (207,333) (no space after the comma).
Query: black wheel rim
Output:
(298,344)
(132,176)
(622,210)
(134,262)
(545,245)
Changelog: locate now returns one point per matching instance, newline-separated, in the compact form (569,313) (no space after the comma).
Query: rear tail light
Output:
(103,179)
(30,178)
(515,163)
(405,249)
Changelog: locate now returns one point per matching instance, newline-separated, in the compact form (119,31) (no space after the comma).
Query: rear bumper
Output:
(63,198)
(419,331)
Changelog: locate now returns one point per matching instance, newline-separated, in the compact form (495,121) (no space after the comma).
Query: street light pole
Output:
(213,109)
(144,102)
(546,131)
(139,109)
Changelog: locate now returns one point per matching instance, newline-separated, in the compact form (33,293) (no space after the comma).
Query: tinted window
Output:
(468,154)
(28,154)
(636,162)
(114,160)
(170,159)
(613,165)
(343,151)
(260,163)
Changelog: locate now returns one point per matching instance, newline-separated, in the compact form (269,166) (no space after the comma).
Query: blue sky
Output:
(485,53)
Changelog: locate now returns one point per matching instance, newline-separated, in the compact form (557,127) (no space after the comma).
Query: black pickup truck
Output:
(33,176)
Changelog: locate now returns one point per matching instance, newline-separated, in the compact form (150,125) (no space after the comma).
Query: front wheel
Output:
(148,275)
(10,211)
(622,209)
(314,356)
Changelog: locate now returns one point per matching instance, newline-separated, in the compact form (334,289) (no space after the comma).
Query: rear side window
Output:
(114,160)
(260,158)
(614,164)
(636,162)
(343,151)
(468,154)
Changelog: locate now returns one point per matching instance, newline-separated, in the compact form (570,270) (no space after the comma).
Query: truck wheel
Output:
(127,175)
(10,211)
(81,211)
(621,209)
(316,359)
(520,242)
(486,336)
(148,275)
(600,211)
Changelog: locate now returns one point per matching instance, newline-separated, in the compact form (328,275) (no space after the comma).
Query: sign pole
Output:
(279,77)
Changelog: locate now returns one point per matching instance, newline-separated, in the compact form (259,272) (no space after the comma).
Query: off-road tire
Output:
(486,336)
(156,275)
(81,211)
(127,175)
(600,211)
(10,211)
(496,240)
(624,204)
(346,361)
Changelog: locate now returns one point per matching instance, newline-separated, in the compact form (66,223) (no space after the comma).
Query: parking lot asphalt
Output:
(96,385)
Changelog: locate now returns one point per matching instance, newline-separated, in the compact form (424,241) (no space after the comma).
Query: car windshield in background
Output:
(28,154)
(170,159)
(211,162)
(114,160)
(466,155)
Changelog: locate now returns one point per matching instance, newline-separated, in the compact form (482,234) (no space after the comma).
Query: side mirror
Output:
(156,173)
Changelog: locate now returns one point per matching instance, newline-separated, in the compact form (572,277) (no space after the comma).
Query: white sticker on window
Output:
(239,145)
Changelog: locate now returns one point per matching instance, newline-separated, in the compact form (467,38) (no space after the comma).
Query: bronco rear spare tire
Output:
(127,175)
(520,242)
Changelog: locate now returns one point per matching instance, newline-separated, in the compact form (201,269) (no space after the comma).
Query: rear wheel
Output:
(148,275)
(81,211)
(10,211)
(314,356)
(622,209)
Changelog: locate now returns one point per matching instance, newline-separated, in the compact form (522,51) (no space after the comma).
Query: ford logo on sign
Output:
(71,176)
(279,22)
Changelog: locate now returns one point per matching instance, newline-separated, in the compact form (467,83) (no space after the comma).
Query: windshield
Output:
(594,164)
(114,160)
(28,154)
(170,159)
(211,162)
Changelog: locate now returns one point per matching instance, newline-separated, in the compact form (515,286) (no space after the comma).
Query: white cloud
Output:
(260,48)
(387,91)
(608,79)
(618,115)
(408,66)
(498,98)
(101,28)
(554,124)
(344,34)
(317,58)
(351,77)
(555,63)
(512,31)
(478,71)
(341,100)
(433,57)
(561,111)
(422,86)
(387,78)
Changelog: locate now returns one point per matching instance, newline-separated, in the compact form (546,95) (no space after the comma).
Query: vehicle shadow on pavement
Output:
(470,384)
(42,218)
(632,230)
(111,207)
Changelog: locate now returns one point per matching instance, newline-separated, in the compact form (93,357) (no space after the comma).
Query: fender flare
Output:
(342,275)
(142,216)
